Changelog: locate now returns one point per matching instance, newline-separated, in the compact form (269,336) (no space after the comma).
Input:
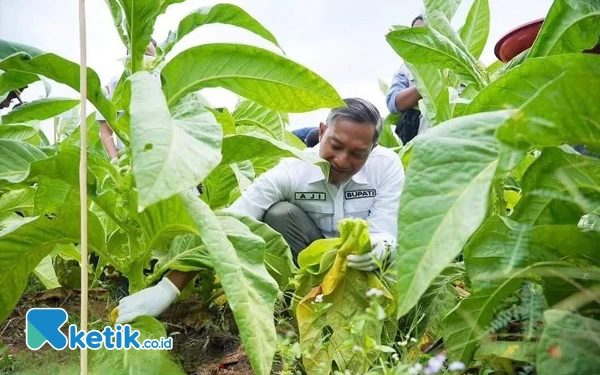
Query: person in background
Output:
(298,200)
(312,139)
(112,144)
(403,97)
(302,133)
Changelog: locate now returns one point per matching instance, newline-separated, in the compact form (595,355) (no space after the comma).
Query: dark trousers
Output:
(296,227)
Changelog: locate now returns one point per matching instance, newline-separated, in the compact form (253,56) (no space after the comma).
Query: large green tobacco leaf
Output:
(170,154)
(16,158)
(18,200)
(387,139)
(563,110)
(20,132)
(518,85)
(140,16)
(520,351)
(278,256)
(323,326)
(558,177)
(67,72)
(342,295)
(14,80)
(237,259)
(445,199)
(475,31)
(448,7)
(439,299)
(569,344)
(433,87)
(569,240)
(218,186)
(498,248)
(118,19)
(10,48)
(24,245)
(254,73)
(228,14)
(45,273)
(438,22)
(39,110)
(127,362)
(570,26)
(242,147)
(422,45)
(186,253)
(252,117)
(470,321)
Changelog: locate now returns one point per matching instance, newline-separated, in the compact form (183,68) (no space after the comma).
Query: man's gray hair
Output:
(357,110)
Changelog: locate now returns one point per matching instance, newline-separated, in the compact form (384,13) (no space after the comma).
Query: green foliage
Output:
(228,14)
(569,344)
(507,193)
(254,73)
(39,110)
(330,296)
(137,361)
(142,205)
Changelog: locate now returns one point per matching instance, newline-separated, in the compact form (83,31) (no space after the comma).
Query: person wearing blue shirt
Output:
(403,95)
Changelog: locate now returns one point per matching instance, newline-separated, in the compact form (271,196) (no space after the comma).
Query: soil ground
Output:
(203,344)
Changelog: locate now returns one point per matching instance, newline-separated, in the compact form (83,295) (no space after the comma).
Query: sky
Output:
(342,41)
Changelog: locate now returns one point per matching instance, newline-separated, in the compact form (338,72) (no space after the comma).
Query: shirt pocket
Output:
(321,213)
(358,208)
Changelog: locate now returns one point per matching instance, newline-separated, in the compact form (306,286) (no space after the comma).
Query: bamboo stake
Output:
(83,182)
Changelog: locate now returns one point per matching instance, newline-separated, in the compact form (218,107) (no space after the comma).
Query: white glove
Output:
(150,301)
(383,248)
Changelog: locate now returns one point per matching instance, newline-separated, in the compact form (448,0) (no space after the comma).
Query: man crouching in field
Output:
(296,199)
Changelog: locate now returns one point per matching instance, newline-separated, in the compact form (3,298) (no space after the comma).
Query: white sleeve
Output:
(268,189)
(383,219)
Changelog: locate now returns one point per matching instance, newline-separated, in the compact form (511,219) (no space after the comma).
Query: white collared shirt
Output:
(373,193)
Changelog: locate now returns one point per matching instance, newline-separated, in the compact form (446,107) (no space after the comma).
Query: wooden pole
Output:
(83,182)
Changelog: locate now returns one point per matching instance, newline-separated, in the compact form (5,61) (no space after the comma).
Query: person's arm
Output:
(269,188)
(407,98)
(383,219)
(181,279)
(106,135)
(401,95)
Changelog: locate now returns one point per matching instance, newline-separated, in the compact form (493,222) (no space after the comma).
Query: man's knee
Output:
(279,213)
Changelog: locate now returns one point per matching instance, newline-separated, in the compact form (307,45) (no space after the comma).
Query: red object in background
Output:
(517,40)
(522,37)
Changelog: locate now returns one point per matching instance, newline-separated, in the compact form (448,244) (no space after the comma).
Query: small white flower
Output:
(374,292)
(435,364)
(395,357)
(415,370)
(412,339)
(403,343)
(357,348)
(319,298)
(457,366)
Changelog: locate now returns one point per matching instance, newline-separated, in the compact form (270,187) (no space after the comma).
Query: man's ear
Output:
(322,129)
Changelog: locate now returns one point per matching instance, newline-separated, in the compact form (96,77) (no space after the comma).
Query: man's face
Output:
(346,145)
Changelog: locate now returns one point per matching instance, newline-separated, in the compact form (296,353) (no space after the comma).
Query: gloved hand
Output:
(150,301)
(384,248)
